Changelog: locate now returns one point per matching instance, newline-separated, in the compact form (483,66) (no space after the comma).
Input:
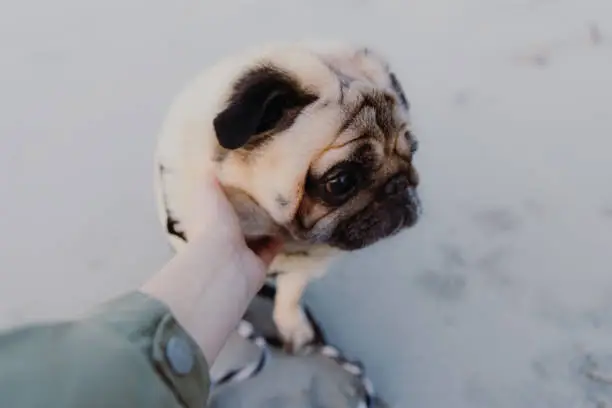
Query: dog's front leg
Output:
(294,272)
(289,316)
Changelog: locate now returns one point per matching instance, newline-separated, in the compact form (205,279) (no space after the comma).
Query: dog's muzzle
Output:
(398,207)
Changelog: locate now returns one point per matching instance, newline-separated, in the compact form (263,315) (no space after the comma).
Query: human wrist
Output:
(208,287)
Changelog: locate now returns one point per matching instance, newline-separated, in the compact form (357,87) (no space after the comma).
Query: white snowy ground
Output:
(502,297)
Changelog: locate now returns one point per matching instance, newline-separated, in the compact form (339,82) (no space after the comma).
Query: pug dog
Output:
(311,142)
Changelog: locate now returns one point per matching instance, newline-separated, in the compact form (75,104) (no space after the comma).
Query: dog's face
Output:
(321,141)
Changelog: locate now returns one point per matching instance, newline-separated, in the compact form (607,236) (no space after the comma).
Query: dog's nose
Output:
(397,185)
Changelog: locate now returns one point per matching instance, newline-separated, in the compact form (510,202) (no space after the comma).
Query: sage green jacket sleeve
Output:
(128,353)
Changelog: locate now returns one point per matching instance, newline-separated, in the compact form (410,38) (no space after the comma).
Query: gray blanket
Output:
(286,381)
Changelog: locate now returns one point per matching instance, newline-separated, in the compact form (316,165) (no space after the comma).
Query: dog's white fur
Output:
(188,144)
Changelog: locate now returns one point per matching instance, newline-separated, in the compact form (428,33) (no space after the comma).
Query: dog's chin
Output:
(376,222)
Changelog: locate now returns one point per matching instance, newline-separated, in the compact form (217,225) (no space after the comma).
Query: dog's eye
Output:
(341,184)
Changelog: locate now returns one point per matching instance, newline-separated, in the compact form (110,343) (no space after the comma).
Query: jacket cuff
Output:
(149,325)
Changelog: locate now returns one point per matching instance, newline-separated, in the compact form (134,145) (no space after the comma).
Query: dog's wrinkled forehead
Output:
(289,108)
(369,119)
(375,108)
(364,65)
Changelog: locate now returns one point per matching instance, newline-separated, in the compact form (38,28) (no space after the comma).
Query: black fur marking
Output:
(266,99)
(282,201)
(344,82)
(397,87)
(267,291)
(171,222)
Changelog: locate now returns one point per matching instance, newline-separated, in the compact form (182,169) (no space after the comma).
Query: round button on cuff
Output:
(180,355)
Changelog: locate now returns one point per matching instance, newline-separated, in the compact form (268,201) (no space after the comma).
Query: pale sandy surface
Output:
(501,298)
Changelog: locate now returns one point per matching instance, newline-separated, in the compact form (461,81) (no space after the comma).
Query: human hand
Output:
(219,226)
(210,283)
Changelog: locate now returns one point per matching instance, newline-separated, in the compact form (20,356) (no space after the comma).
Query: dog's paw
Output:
(294,328)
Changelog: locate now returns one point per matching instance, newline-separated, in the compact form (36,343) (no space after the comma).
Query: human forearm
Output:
(208,288)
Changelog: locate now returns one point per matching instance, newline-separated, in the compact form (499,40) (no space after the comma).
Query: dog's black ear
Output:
(264,99)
